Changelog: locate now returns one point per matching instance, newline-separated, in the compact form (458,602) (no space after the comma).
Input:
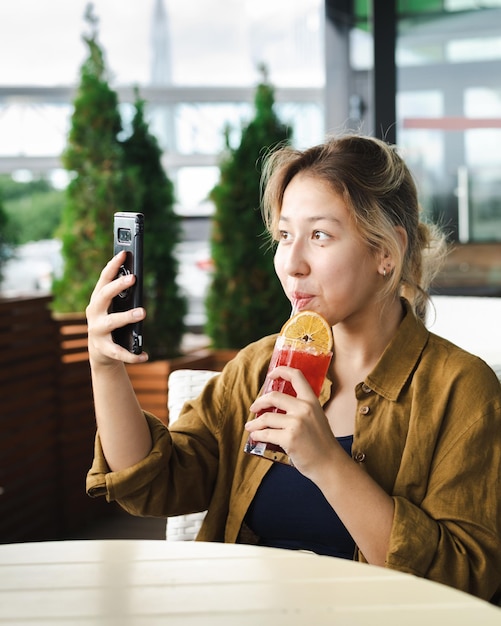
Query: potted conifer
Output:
(110,174)
(94,157)
(166,307)
(5,237)
(245,300)
(164,326)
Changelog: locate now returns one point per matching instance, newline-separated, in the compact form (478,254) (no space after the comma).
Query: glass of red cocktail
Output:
(300,354)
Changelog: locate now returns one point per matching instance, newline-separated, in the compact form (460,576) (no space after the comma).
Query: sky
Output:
(213,42)
(41,40)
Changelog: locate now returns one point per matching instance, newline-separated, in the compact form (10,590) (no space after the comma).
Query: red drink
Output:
(314,366)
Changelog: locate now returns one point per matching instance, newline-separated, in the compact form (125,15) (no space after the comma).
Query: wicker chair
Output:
(185,385)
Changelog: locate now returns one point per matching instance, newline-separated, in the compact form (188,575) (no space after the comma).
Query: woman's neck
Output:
(359,345)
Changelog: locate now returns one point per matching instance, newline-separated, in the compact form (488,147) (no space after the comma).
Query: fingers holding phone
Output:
(112,312)
(128,231)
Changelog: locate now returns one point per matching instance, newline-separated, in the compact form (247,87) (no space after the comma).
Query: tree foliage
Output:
(166,307)
(112,174)
(5,237)
(33,208)
(245,300)
(99,185)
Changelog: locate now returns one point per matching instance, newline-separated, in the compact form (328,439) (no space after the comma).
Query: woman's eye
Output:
(320,235)
(283,235)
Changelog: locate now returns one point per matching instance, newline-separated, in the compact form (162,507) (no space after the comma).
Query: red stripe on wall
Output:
(451,123)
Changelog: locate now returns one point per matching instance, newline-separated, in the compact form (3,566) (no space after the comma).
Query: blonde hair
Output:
(378,188)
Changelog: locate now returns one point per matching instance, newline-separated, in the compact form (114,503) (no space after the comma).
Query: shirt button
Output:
(364,410)
(366,388)
(359,457)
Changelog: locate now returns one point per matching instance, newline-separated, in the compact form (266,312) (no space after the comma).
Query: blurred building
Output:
(422,73)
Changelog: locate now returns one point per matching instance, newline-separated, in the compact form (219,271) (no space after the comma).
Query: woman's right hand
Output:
(124,432)
(100,323)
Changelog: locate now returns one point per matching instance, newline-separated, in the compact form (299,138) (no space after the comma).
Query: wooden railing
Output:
(47,423)
(76,425)
(47,419)
(150,380)
(472,269)
(29,467)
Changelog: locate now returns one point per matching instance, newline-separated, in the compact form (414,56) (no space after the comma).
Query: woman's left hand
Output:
(302,430)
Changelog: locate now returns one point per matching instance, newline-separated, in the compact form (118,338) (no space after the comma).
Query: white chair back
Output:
(185,385)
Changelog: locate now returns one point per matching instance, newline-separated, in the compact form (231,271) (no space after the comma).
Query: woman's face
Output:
(321,260)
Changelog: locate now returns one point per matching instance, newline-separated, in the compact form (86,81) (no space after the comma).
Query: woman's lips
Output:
(301,300)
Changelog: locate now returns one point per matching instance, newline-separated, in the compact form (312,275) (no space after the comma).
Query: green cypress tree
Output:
(5,237)
(245,299)
(164,324)
(94,156)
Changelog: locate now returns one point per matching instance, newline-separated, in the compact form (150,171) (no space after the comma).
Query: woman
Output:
(419,417)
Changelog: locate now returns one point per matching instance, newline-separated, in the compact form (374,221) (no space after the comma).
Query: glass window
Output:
(220,43)
(449,115)
(423,148)
(33,129)
(193,185)
(224,41)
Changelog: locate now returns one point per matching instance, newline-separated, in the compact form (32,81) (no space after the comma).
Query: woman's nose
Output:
(296,262)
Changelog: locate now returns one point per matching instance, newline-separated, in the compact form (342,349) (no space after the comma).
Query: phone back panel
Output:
(128,231)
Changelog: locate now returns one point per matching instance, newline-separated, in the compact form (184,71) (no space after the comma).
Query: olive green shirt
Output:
(427,429)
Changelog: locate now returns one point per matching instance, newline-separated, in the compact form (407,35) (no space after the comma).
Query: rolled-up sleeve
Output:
(428,430)
(183,473)
(127,483)
(453,535)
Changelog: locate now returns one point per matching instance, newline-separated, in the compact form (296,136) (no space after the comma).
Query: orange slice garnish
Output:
(310,328)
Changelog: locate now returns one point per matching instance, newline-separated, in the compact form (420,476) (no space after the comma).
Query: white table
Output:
(158,582)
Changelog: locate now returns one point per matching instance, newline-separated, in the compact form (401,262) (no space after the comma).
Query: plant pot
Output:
(150,380)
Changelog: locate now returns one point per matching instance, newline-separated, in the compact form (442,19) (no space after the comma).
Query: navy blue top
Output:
(290,511)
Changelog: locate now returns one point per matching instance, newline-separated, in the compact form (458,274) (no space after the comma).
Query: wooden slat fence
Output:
(150,380)
(47,423)
(29,360)
(472,269)
(77,426)
(47,418)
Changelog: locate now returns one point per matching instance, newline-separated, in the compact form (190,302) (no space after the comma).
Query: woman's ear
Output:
(387,263)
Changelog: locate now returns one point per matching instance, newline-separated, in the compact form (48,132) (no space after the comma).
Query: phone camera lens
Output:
(124,235)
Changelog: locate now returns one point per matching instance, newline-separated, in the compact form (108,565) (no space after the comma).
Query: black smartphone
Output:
(128,231)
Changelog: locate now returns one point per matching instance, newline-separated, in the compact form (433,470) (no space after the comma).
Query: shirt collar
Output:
(400,356)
